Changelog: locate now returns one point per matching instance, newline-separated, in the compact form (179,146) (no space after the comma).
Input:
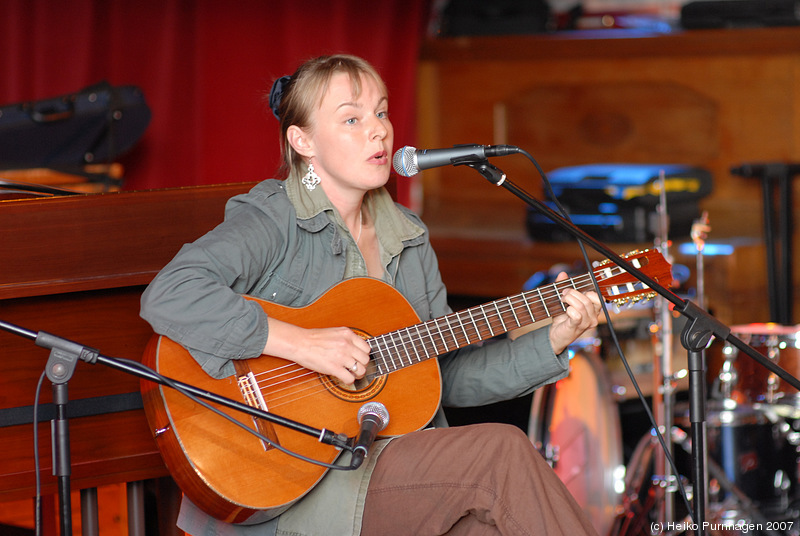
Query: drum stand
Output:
(698,331)
(664,374)
(663,387)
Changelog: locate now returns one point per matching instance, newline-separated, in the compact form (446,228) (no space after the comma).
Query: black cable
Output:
(37,505)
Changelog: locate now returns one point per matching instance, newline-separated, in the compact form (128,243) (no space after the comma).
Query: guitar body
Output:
(230,473)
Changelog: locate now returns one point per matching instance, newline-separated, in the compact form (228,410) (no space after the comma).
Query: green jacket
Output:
(284,244)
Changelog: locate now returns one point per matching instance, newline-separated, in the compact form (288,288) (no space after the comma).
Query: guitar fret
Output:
(500,315)
(374,354)
(441,336)
(560,301)
(430,339)
(475,325)
(544,303)
(386,352)
(463,329)
(397,349)
(391,350)
(427,355)
(450,330)
(437,344)
(427,339)
(409,346)
(488,322)
(384,367)
(513,311)
(528,307)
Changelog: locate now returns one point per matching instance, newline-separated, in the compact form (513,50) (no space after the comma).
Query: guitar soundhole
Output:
(362,389)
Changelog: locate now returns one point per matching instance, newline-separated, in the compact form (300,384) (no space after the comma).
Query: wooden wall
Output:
(712,98)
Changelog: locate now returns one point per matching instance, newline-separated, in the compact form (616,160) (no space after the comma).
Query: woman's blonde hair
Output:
(299,94)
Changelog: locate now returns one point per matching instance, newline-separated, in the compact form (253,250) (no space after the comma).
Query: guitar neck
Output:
(407,346)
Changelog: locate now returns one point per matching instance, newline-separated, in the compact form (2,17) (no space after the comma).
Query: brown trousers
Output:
(478,480)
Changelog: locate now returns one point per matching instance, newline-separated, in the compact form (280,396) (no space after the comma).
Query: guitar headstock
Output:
(620,287)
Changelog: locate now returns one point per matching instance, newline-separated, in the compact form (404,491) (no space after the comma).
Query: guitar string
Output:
(552,292)
(411,340)
(415,341)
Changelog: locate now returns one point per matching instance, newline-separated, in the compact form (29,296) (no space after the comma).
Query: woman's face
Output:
(351,137)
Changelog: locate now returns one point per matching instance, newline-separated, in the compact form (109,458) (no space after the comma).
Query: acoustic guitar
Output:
(232,474)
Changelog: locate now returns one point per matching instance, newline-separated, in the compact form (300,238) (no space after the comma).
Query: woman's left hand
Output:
(583,310)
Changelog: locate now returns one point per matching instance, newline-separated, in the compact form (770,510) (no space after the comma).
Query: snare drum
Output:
(750,382)
(575,424)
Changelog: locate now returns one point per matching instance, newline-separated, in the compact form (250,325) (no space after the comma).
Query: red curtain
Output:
(205,67)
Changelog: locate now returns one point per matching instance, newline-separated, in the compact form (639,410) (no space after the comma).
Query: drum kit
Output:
(752,438)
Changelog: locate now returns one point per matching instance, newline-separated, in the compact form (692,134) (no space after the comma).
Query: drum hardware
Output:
(737,508)
(550,453)
(645,492)
(663,399)
(748,382)
(728,376)
(669,484)
(670,383)
(729,505)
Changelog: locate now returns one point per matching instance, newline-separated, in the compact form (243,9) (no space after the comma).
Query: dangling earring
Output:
(310,179)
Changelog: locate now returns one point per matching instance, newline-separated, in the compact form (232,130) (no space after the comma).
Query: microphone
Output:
(408,161)
(373,417)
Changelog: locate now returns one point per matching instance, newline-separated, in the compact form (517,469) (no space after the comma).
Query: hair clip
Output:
(276,94)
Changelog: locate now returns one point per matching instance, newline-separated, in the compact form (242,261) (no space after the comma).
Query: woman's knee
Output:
(504,437)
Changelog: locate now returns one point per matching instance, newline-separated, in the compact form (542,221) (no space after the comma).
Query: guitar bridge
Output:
(253,397)
(251,393)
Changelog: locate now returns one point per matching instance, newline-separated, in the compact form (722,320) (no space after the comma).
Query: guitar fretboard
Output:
(407,346)
(414,344)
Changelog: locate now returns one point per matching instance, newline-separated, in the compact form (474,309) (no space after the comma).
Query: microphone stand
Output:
(700,327)
(64,356)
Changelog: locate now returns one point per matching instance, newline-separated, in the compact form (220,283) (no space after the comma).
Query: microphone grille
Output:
(405,162)
(377,409)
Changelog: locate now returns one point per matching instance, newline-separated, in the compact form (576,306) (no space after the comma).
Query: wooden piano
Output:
(75,266)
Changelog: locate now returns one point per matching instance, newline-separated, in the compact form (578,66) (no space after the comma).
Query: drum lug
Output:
(668,483)
(727,378)
(550,453)
(793,438)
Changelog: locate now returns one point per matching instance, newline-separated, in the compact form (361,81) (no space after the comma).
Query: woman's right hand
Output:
(337,352)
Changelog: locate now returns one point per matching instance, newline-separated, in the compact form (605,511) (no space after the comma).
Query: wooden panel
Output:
(101,241)
(76,267)
(714,99)
(103,451)
(615,122)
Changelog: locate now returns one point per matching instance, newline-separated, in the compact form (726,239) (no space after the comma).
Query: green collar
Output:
(391,225)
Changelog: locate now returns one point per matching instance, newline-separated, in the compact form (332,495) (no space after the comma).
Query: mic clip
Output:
(489,171)
(470,160)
